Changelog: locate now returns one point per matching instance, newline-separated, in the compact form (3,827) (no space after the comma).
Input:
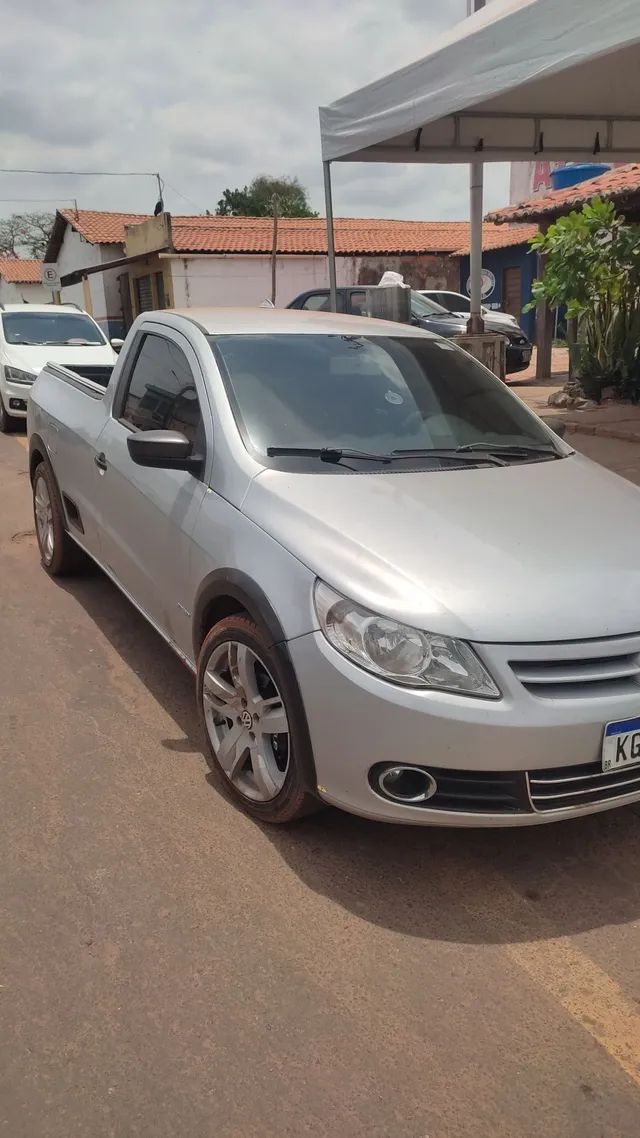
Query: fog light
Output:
(411,785)
(17,404)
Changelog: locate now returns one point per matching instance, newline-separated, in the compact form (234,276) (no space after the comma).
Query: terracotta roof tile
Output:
(14,270)
(616,184)
(300,235)
(99,227)
(499,237)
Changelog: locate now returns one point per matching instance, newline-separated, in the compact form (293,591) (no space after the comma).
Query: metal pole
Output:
(476,323)
(476,170)
(331,249)
(274,250)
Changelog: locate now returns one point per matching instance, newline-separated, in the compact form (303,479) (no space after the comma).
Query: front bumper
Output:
(542,751)
(518,357)
(14,397)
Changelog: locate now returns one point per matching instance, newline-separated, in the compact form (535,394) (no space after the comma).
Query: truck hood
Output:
(534,552)
(33,357)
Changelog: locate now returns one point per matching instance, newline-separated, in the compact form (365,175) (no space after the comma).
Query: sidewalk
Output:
(609,421)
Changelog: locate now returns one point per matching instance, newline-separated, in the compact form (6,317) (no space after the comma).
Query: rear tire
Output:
(257,740)
(59,554)
(8,423)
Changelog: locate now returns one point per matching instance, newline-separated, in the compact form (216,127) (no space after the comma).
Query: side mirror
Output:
(116,343)
(164,450)
(556,423)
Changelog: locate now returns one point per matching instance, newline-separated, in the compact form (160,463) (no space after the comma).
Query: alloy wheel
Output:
(44,518)
(246,721)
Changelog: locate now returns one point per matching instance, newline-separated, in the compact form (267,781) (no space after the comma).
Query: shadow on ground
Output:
(464,886)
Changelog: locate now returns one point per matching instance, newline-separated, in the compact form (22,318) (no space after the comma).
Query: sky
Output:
(209,93)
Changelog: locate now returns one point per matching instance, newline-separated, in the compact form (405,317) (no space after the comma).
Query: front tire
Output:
(59,554)
(254,727)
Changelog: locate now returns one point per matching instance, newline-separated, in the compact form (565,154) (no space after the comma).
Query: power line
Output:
(183,196)
(87,173)
(56,199)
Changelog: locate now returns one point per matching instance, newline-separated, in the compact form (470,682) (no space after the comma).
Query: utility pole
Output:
(476,183)
(274,249)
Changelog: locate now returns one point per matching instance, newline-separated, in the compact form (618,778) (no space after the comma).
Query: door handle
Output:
(101,462)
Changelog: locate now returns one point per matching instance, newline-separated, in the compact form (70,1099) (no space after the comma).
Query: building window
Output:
(162,303)
(144,295)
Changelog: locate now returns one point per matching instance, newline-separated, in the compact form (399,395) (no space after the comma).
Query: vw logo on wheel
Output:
(246,720)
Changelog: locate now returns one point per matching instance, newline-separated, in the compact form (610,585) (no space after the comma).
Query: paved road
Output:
(172,970)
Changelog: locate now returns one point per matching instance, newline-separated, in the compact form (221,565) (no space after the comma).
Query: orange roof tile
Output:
(616,184)
(100,227)
(499,237)
(299,235)
(14,270)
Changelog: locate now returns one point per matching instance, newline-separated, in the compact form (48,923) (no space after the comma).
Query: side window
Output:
(358,303)
(456,303)
(161,394)
(317,302)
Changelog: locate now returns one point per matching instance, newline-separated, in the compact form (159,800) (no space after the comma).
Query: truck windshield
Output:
(50,328)
(378,394)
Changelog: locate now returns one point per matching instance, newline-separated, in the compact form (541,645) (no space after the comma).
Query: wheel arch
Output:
(37,454)
(229,592)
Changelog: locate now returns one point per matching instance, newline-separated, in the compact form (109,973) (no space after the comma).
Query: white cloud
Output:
(209,94)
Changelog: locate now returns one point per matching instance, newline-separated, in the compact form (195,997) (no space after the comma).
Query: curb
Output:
(602,431)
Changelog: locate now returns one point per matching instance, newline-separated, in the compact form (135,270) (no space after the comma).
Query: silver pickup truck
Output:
(400,591)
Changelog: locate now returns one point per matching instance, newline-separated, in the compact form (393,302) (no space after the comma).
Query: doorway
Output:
(511,292)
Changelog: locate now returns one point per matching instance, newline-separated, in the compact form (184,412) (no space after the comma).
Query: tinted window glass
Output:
(367,392)
(319,302)
(161,394)
(50,328)
(425,306)
(358,303)
(456,302)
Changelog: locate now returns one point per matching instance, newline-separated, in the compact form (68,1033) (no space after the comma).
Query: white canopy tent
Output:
(519,79)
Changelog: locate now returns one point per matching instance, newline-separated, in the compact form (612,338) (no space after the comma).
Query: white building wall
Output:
(19,293)
(113,300)
(236,281)
(76,253)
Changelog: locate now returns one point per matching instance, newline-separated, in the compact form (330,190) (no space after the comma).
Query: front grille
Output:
(585,785)
(471,792)
(599,670)
(99,373)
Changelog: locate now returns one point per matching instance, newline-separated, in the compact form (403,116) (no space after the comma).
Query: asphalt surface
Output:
(170,968)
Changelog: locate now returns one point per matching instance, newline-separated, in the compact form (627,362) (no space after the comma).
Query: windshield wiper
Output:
(328,454)
(516,450)
(454,454)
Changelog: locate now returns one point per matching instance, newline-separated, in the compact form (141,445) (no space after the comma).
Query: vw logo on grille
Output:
(246,720)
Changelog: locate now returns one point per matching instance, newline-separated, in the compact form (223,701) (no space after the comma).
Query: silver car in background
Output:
(401,592)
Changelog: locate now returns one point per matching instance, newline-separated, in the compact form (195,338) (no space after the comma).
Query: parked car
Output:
(460,305)
(425,314)
(347,529)
(33,334)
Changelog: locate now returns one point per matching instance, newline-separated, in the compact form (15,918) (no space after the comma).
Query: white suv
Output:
(32,335)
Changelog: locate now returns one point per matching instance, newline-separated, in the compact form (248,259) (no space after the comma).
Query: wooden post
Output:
(274,250)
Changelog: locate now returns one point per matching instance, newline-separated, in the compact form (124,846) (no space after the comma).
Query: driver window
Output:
(161,394)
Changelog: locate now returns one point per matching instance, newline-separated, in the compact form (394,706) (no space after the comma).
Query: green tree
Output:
(256,200)
(593,268)
(25,234)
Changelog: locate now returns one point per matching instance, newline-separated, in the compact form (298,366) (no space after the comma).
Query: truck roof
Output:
(28,307)
(253,321)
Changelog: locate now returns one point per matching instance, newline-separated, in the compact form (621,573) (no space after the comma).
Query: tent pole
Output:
(476,323)
(331,249)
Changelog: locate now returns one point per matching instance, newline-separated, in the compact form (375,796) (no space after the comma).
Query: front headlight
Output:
(16,375)
(398,653)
